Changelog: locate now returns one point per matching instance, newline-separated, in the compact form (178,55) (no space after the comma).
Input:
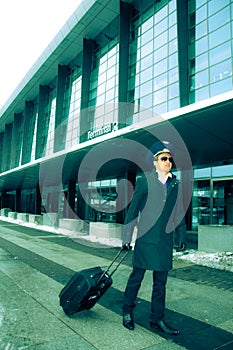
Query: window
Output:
(210,48)
(201,204)
(51,128)
(101,197)
(219,19)
(33,129)
(104,86)
(218,36)
(73,131)
(155,82)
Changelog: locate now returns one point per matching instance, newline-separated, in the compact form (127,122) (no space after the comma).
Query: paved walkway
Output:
(34,266)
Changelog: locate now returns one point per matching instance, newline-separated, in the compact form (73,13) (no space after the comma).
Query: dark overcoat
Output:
(156,210)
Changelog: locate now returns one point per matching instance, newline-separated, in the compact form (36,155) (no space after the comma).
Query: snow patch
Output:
(219,260)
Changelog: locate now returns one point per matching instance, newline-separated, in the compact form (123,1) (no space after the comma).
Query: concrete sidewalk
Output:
(35,265)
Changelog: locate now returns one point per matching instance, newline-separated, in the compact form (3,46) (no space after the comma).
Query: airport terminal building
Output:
(119,75)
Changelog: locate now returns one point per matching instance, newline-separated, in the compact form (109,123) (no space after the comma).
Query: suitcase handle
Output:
(118,264)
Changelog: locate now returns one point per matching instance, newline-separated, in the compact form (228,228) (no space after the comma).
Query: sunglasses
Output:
(164,159)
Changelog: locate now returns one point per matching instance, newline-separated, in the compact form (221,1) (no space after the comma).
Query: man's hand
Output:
(181,247)
(126,246)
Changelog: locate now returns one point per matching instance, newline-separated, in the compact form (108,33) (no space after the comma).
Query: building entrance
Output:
(101,201)
(212,203)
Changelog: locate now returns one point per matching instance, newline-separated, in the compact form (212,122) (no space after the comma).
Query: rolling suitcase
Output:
(86,287)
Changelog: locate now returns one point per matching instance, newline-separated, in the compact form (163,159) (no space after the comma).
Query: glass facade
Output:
(153,82)
(212,201)
(32,131)
(18,135)
(153,69)
(73,131)
(68,120)
(210,48)
(101,197)
(104,87)
(61,126)
(48,131)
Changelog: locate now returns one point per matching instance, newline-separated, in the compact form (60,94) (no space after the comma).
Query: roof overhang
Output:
(89,19)
(205,128)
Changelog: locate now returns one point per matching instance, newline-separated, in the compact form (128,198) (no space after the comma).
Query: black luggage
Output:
(86,287)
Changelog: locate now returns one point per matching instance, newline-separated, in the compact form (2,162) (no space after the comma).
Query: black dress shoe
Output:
(128,322)
(163,327)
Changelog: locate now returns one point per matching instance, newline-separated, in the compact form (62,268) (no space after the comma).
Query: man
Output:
(155,208)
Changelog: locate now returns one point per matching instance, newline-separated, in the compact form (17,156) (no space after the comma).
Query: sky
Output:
(26,29)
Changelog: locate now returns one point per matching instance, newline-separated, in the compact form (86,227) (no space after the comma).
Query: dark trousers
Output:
(158,293)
